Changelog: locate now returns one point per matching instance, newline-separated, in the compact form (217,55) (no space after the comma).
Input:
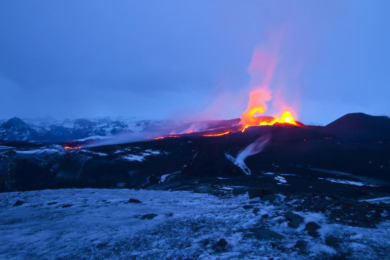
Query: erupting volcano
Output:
(68,147)
(257,105)
(250,117)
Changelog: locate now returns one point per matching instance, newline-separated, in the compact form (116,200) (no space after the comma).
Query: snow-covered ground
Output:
(101,224)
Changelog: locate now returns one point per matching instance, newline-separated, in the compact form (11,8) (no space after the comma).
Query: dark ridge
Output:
(360,127)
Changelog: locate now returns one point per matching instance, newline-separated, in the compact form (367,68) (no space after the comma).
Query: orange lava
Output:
(67,147)
(285,118)
(159,138)
(224,133)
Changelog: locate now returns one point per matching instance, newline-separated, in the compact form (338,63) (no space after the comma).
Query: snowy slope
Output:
(101,224)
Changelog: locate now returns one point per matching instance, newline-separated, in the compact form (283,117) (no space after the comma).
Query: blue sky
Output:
(170,59)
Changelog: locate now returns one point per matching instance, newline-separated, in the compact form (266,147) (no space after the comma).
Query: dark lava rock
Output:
(134,201)
(312,228)
(301,245)
(239,190)
(67,205)
(259,193)
(52,203)
(18,203)
(269,197)
(207,190)
(221,244)
(347,206)
(256,210)
(294,219)
(265,216)
(149,216)
(247,207)
(332,241)
(264,234)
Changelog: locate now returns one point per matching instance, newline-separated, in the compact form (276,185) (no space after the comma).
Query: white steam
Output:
(252,149)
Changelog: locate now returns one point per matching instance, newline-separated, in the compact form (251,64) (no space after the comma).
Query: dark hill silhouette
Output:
(360,127)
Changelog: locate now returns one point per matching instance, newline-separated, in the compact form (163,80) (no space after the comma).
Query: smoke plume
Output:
(252,149)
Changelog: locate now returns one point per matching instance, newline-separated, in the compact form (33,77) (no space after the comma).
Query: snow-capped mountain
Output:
(16,129)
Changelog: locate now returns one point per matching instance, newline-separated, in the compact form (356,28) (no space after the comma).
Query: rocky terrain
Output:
(312,192)
(145,224)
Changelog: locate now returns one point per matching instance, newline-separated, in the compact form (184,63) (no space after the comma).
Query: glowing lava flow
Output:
(285,118)
(221,134)
(67,147)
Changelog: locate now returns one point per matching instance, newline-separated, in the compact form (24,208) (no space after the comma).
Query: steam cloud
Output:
(261,71)
(252,149)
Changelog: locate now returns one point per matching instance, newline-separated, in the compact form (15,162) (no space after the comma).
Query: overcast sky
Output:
(170,59)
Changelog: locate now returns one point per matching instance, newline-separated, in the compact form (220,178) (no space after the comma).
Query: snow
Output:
(378,200)
(141,157)
(222,178)
(101,224)
(93,152)
(39,151)
(164,177)
(2,147)
(353,176)
(240,163)
(288,174)
(354,183)
(150,151)
(94,137)
(281,179)
(133,157)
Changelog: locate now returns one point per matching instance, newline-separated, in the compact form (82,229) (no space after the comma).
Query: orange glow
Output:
(256,105)
(224,133)
(67,147)
(158,138)
(285,118)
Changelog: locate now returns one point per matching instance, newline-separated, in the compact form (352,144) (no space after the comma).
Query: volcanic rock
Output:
(260,193)
(204,189)
(239,190)
(133,201)
(149,216)
(264,234)
(312,228)
(248,206)
(332,241)
(18,203)
(269,197)
(301,245)
(220,245)
(294,219)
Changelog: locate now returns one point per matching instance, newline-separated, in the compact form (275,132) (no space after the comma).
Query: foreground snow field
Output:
(106,224)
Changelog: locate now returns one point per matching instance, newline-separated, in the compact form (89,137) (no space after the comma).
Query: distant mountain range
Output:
(15,129)
(350,127)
